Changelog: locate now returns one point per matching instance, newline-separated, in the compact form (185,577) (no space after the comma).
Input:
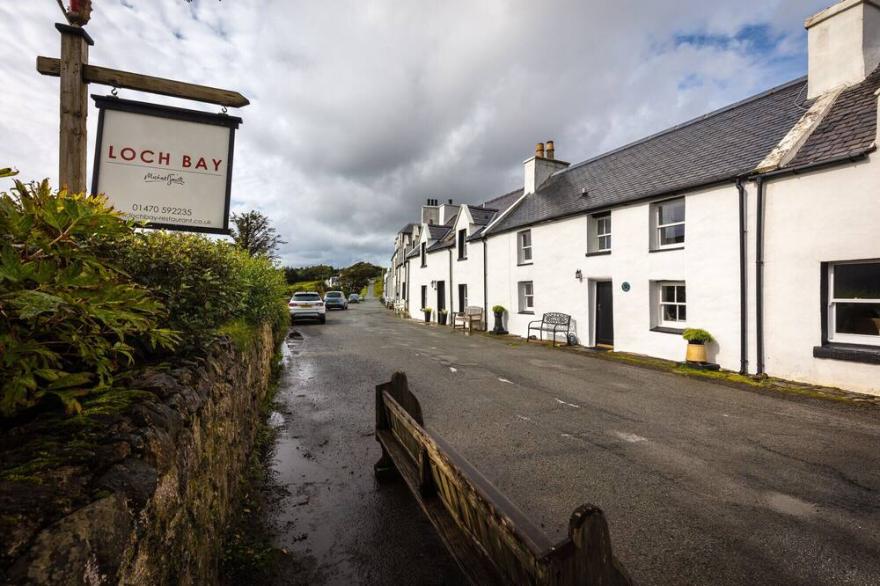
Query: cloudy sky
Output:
(362,109)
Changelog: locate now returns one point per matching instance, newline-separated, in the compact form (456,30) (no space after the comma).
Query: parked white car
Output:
(307,305)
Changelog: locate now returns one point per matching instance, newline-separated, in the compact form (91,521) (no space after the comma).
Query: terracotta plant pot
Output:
(696,353)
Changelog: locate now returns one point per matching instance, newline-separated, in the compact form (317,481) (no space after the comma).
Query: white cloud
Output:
(361,110)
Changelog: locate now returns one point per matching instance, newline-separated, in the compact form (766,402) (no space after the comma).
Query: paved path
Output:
(701,483)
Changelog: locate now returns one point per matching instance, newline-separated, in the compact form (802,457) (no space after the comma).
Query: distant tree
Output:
(254,233)
(309,273)
(358,275)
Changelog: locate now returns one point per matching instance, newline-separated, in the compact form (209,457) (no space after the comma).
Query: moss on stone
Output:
(242,334)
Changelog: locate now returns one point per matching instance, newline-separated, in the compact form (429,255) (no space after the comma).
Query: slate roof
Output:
(407,229)
(502,202)
(715,147)
(448,239)
(436,232)
(482,216)
(850,126)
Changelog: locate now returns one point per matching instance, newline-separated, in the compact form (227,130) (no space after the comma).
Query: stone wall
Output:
(140,495)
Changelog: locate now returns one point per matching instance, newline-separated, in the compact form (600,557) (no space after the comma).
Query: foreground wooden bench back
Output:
(490,538)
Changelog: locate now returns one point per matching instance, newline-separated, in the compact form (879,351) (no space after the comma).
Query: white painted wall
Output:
(825,216)
(436,269)
(470,270)
(709,264)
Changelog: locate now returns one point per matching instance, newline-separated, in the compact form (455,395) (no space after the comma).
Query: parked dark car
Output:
(335,300)
(354,298)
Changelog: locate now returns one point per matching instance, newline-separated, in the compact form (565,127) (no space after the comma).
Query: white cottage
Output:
(759,222)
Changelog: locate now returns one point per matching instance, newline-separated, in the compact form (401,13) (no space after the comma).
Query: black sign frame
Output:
(104,103)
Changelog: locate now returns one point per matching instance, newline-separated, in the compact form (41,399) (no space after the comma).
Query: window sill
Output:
(848,352)
(462,258)
(668,330)
(524,264)
(526,312)
(666,249)
(598,253)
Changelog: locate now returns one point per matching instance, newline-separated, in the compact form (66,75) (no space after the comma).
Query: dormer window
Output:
(462,244)
(423,255)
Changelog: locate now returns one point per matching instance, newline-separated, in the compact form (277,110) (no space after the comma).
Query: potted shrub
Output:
(427,311)
(441,316)
(499,310)
(697,339)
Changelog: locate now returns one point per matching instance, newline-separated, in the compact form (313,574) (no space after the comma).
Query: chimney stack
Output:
(843,45)
(539,168)
(430,212)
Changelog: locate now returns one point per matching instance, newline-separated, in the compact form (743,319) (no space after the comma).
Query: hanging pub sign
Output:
(169,167)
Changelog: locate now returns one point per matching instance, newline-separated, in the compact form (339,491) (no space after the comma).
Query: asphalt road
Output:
(701,483)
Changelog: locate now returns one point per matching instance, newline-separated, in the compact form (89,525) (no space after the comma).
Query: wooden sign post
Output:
(76,74)
(73,140)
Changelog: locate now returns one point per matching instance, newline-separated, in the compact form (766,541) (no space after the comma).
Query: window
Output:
(526,297)
(524,247)
(462,244)
(599,233)
(424,296)
(424,256)
(462,297)
(403,287)
(854,302)
(669,223)
(673,304)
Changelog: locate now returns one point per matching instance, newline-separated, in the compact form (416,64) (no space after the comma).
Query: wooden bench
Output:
(471,314)
(553,323)
(490,538)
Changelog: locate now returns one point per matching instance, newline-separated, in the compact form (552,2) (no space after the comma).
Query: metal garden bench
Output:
(553,323)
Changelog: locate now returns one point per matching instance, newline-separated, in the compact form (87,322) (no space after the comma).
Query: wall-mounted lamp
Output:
(433,284)
(579,275)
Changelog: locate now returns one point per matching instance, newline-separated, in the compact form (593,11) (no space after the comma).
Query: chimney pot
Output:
(551,149)
(450,201)
(539,150)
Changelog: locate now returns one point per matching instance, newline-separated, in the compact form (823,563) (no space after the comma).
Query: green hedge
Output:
(203,283)
(84,297)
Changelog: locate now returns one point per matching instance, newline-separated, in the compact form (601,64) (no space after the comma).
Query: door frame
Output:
(593,298)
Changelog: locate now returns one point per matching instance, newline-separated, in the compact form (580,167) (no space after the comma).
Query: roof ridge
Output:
(687,123)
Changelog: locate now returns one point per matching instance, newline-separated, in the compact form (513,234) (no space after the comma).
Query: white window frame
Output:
(423,253)
(658,227)
(660,304)
(833,335)
(522,248)
(603,219)
(461,237)
(526,298)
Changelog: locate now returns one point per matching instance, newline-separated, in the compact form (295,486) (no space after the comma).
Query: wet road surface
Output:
(701,483)
(338,525)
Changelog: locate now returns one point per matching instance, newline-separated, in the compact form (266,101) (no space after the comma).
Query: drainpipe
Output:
(485,290)
(406,290)
(743,291)
(451,286)
(759,276)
